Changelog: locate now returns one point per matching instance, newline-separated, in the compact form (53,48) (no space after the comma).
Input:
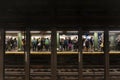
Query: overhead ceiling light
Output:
(12,31)
(95,31)
(115,31)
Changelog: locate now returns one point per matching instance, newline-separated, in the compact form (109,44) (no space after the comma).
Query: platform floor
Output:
(64,52)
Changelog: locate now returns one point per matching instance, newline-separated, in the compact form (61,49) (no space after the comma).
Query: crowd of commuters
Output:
(87,44)
(41,44)
(37,44)
(44,44)
(10,44)
(68,44)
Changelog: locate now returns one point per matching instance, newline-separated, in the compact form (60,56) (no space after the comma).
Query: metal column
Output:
(106,54)
(2,52)
(53,55)
(27,55)
(80,60)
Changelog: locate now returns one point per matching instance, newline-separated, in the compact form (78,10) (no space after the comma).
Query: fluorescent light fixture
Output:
(72,31)
(40,31)
(114,31)
(12,31)
(67,31)
(95,31)
(34,31)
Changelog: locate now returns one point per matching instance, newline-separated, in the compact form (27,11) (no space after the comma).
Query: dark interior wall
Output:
(102,12)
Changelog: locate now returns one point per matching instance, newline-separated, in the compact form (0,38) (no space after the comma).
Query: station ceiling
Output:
(101,12)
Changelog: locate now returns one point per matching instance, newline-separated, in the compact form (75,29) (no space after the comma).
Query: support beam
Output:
(2,52)
(27,55)
(53,55)
(80,55)
(106,55)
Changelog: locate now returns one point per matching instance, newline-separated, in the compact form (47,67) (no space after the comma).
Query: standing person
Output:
(34,44)
(47,43)
(66,44)
(15,43)
(23,44)
(7,43)
(69,43)
(38,44)
(83,44)
(50,44)
(42,43)
(87,44)
(11,43)
(102,46)
(75,41)
(61,44)
(91,43)
(118,44)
